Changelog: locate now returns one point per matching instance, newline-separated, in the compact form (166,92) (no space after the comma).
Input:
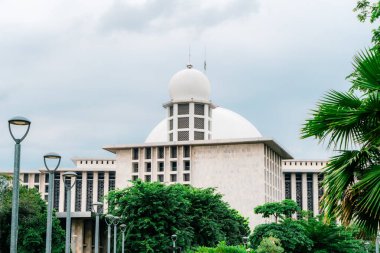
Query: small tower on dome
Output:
(189,111)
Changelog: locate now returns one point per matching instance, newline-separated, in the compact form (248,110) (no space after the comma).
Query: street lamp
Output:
(50,156)
(116,221)
(174,239)
(123,227)
(16,121)
(245,241)
(68,176)
(109,221)
(96,208)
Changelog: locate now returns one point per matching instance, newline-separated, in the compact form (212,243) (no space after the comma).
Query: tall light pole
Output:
(50,156)
(16,121)
(116,221)
(123,227)
(109,221)
(96,208)
(174,239)
(68,176)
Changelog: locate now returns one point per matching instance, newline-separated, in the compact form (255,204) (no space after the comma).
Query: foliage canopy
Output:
(153,212)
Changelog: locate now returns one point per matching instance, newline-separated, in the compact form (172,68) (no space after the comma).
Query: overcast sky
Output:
(95,73)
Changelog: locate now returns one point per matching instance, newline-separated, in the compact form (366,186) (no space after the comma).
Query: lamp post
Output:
(123,227)
(96,208)
(16,121)
(174,239)
(245,241)
(50,156)
(68,176)
(116,221)
(109,221)
(378,241)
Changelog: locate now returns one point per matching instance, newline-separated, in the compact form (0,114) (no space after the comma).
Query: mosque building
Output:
(197,143)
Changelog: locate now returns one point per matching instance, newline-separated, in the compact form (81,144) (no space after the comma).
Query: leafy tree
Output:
(285,208)
(32,223)
(153,212)
(331,237)
(352,119)
(370,10)
(270,245)
(292,234)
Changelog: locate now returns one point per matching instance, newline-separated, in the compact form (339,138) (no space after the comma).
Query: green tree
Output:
(270,245)
(281,209)
(291,233)
(32,223)
(153,212)
(331,237)
(370,10)
(345,120)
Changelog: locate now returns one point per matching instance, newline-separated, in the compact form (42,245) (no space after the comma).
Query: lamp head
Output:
(69,175)
(96,206)
(245,239)
(19,121)
(123,227)
(174,237)
(52,156)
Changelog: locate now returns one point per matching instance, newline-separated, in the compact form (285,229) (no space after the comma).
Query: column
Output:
(315,194)
(304,191)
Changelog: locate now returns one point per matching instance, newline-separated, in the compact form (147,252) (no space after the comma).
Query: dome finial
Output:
(189,66)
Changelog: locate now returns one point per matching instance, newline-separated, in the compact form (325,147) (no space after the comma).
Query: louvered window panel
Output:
(171,124)
(57,182)
(78,192)
(183,109)
(90,189)
(199,135)
(183,135)
(183,122)
(199,123)
(199,109)
(161,152)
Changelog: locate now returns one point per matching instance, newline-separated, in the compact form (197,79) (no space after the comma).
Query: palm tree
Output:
(350,124)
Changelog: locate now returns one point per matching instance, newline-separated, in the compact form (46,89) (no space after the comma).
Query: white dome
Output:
(226,124)
(189,84)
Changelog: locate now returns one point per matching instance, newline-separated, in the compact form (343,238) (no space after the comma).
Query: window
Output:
(36,186)
(186,177)
(148,153)
(199,109)
(199,123)
(310,201)
(47,178)
(199,135)
(161,152)
(171,137)
(57,182)
(135,167)
(299,192)
(111,180)
(90,189)
(46,189)
(171,111)
(209,111)
(183,122)
(160,178)
(173,178)
(186,165)
(173,152)
(135,177)
(186,151)
(37,178)
(173,166)
(135,153)
(288,186)
(26,178)
(183,109)
(171,124)
(148,178)
(148,167)
(183,135)
(78,192)
(161,166)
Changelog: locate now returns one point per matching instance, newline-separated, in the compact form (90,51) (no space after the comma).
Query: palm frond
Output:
(366,71)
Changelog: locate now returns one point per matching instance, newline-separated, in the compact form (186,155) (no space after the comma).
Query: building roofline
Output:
(270,142)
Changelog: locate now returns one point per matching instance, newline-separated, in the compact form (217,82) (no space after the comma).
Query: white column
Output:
(293,189)
(191,121)
(315,194)
(175,122)
(106,187)
(84,191)
(62,192)
(304,191)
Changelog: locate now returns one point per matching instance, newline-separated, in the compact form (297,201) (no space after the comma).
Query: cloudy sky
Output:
(94,73)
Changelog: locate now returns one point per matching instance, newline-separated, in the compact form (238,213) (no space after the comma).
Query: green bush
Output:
(221,248)
(270,245)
